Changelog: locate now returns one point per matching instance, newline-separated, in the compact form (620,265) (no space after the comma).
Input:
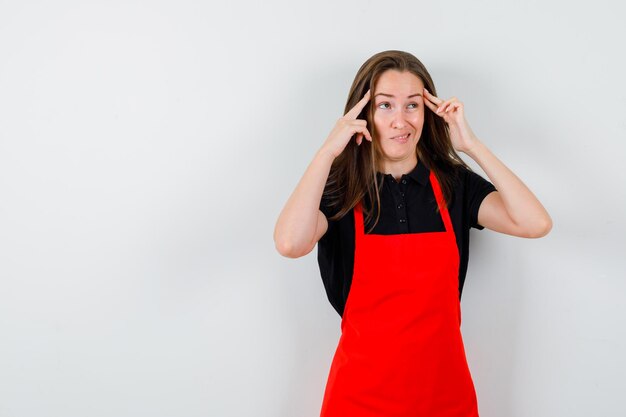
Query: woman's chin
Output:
(399,154)
(397,158)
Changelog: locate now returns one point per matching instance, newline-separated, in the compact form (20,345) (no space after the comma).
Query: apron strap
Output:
(358,219)
(443,209)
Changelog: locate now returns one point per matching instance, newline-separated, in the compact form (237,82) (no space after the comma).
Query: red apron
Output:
(401,352)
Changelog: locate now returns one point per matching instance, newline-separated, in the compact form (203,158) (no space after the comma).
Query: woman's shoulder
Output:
(464,176)
(462,169)
(472,186)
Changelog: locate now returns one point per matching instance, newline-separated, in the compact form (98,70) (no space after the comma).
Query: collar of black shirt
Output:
(420,174)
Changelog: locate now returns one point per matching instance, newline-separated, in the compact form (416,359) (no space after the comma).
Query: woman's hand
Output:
(346,127)
(461,135)
(512,209)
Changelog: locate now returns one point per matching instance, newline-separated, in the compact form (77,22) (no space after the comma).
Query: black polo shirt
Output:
(408,206)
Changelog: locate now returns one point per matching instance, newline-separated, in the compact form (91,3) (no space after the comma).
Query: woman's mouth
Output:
(402,139)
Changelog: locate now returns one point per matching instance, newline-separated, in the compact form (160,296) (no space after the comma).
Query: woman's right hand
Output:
(301,223)
(346,127)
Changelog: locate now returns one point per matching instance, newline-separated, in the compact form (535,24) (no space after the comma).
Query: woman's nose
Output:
(398,120)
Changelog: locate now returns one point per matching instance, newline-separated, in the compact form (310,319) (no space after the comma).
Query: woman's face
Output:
(398,112)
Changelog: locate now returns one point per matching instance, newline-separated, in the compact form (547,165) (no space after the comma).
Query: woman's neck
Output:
(399,168)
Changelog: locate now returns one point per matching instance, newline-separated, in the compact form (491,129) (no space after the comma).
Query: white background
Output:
(147,148)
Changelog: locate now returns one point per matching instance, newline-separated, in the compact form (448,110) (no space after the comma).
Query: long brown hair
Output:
(353,173)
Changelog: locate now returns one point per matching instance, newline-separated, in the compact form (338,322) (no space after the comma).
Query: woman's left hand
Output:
(461,135)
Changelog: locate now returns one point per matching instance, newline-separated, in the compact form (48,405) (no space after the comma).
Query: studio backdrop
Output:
(147,148)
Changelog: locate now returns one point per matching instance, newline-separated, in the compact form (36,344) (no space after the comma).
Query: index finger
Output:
(354,111)
(432,98)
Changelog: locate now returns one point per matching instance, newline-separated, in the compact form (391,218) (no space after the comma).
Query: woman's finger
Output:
(456,105)
(444,106)
(430,105)
(367,134)
(363,132)
(436,100)
(431,101)
(359,127)
(354,111)
(453,107)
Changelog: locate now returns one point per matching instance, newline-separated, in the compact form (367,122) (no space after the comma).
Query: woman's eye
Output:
(381,105)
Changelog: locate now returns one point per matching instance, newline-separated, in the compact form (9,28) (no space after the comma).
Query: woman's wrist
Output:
(475,149)
(325,155)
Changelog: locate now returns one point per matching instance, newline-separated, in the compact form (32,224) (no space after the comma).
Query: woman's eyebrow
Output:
(392,96)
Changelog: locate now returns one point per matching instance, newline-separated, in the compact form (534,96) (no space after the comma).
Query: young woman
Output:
(390,203)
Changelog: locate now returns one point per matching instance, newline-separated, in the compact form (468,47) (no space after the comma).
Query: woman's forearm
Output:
(297,223)
(522,206)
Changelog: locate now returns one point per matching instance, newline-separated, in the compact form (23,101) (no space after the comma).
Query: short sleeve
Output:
(331,233)
(477,188)
(325,207)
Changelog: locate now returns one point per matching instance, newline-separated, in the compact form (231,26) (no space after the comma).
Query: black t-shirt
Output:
(408,206)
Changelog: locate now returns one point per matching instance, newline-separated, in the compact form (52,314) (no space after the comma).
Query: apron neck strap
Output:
(443,208)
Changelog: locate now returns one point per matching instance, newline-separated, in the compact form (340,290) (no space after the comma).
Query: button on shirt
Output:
(407,206)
